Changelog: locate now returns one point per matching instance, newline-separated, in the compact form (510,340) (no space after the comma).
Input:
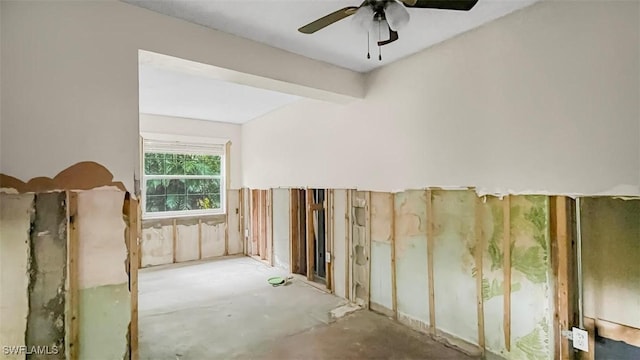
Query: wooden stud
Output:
(200,239)
(394,291)
(226,225)
(589,325)
(430,248)
(293,230)
(347,245)
(478,255)
(329,239)
(133,275)
(175,240)
(506,249)
(561,246)
(72,275)
(310,236)
(270,226)
(262,220)
(367,211)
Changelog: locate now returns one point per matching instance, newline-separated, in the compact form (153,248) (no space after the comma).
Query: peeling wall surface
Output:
(381,233)
(411,258)
(16,212)
(236,245)
(611,251)
(104,307)
(360,249)
(47,272)
(281,228)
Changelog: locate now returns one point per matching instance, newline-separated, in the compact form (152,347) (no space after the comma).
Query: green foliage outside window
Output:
(182,182)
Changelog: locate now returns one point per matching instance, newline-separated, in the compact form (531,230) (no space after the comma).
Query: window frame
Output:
(182,140)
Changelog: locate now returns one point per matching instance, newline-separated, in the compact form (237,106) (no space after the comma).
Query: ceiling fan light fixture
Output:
(363,18)
(396,14)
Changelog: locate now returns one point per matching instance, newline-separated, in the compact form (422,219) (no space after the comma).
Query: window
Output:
(182,178)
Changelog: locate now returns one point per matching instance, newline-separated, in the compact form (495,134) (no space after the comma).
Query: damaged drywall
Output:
(611,249)
(104,304)
(411,259)
(340,250)
(47,277)
(16,212)
(381,233)
(213,232)
(235,243)
(156,244)
(360,248)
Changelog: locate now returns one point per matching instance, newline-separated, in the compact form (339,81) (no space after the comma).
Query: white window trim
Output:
(191,140)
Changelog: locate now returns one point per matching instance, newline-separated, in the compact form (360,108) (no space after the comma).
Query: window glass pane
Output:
(174,164)
(192,165)
(176,202)
(210,164)
(155,187)
(211,186)
(176,186)
(153,164)
(156,203)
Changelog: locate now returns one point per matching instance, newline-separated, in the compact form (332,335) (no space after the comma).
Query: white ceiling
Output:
(275,22)
(174,92)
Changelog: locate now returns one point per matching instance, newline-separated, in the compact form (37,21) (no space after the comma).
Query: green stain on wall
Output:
(535,345)
(105,313)
(491,289)
(529,220)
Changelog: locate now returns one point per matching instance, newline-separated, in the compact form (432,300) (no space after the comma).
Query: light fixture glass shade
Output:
(396,14)
(363,18)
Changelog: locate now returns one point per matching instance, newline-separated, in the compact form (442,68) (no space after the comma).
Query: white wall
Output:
(191,127)
(70,79)
(543,100)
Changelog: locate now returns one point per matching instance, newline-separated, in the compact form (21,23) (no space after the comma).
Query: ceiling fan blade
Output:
(327,20)
(463,5)
(393,36)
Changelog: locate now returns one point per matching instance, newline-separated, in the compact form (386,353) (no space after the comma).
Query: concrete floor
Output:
(225,309)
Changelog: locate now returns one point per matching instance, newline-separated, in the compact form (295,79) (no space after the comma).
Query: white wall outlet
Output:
(580,339)
(328,257)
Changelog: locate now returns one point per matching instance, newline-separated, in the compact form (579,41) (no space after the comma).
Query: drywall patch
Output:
(102,248)
(212,238)
(105,313)
(611,249)
(16,212)
(47,270)
(412,286)
(156,244)
(84,175)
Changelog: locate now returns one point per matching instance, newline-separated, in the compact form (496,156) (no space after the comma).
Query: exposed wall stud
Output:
(200,239)
(348,234)
(226,225)
(478,255)
(561,259)
(368,239)
(430,246)
(394,291)
(506,249)
(310,236)
(134,237)
(175,240)
(72,276)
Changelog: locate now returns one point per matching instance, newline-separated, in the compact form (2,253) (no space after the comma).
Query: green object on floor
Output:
(276,281)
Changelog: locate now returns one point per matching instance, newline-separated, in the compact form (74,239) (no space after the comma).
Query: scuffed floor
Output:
(225,309)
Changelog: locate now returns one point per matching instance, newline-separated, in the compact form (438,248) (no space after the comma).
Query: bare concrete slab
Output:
(225,309)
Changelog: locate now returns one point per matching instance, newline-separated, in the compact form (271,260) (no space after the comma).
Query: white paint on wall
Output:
(70,79)
(339,242)
(281,221)
(15,226)
(187,243)
(191,127)
(545,99)
(102,250)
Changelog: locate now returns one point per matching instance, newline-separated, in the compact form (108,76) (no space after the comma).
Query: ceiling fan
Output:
(384,16)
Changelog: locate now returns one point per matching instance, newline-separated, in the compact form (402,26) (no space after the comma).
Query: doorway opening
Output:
(310,235)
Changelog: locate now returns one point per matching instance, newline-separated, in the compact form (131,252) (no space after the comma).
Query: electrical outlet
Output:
(328,257)
(580,339)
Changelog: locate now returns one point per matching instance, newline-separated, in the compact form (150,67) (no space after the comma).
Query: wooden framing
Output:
(226,227)
(294,234)
(310,236)
(367,209)
(614,331)
(269,225)
(394,291)
(506,265)
(590,326)
(175,240)
(72,276)
(200,239)
(430,246)
(133,232)
(330,220)
(562,260)
(255,228)
(348,254)
(478,257)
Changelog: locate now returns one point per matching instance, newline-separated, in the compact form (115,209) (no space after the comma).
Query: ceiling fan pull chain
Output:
(368,52)
(379,39)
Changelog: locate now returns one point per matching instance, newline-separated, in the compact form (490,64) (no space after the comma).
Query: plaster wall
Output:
(201,128)
(70,71)
(340,251)
(544,100)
